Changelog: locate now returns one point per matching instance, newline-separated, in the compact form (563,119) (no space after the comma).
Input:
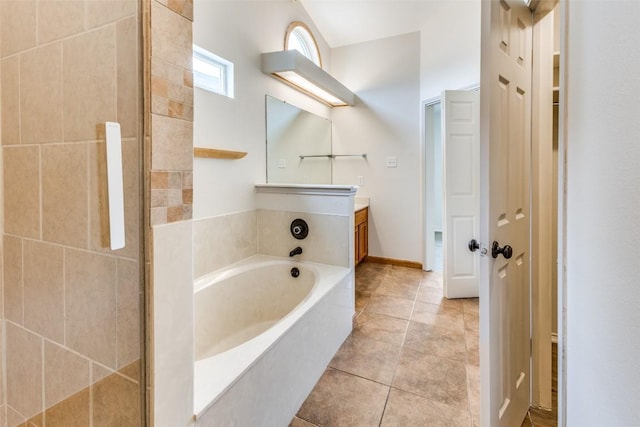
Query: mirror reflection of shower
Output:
(292,133)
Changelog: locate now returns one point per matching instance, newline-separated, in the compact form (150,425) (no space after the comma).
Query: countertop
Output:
(360,203)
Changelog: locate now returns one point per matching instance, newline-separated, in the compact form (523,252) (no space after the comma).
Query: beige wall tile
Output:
(327,242)
(90,305)
(128,317)
(171,36)
(116,402)
(41,94)
(128,76)
(71,412)
(10,101)
(24,370)
(17,26)
(89,83)
(59,18)
(64,194)
(21,191)
(172,144)
(99,372)
(166,71)
(223,240)
(13,418)
(98,203)
(12,269)
(158,216)
(100,12)
(44,290)
(65,374)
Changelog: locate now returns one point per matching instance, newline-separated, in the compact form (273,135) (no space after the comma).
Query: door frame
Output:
(541,208)
(428,180)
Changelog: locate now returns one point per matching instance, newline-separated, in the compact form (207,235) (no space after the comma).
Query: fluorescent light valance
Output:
(296,70)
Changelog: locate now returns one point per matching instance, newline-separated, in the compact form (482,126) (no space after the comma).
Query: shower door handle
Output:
(115,186)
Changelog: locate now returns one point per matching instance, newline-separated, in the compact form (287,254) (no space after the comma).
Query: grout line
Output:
(384,409)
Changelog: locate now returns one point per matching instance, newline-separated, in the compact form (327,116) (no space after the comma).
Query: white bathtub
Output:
(263,338)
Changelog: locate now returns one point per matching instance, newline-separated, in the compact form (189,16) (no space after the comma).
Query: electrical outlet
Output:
(282,163)
(360,180)
(392,162)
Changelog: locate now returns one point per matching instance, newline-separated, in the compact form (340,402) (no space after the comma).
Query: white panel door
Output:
(505,170)
(461,158)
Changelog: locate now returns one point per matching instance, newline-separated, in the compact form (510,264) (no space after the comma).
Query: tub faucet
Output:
(296,251)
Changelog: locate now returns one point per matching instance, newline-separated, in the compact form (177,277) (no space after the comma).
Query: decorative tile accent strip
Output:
(170,110)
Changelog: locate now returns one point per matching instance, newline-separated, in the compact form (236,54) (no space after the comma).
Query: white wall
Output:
(450,48)
(602,220)
(240,31)
(385,75)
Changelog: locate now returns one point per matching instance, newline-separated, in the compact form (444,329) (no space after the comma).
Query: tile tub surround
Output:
(327,208)
(412,358)
(223,240)
(265,380)
(327,242)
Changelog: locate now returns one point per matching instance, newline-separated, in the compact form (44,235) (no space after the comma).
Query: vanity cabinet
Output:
(361,234)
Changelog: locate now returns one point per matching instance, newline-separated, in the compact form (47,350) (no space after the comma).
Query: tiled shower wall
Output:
(71,312)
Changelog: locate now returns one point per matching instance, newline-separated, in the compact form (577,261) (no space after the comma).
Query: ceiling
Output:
(345,22)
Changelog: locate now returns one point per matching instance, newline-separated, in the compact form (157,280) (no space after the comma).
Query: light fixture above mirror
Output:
(294,69)
(300,66)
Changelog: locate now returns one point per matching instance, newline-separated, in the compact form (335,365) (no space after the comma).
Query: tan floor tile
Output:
(299,422)
(343,400)
(380,327)
(367,285)
(398,289)
(367,358)
(471,305)
(473,390)
(473,349)
(449,319)
(409,276)
(542,418)
(436,341)
(408,410)
(361,301)
(432,282)
(436,296)
(438,379)
(472,323)
(390,306)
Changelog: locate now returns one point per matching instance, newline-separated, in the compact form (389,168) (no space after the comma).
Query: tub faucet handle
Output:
(296,251)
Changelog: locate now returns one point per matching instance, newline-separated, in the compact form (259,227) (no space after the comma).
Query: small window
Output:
(299,38)
(212,73)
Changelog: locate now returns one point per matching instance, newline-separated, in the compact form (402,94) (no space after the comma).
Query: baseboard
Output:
(399,262)
(554,337)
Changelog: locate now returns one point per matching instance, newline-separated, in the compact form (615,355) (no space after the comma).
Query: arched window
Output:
(299,37)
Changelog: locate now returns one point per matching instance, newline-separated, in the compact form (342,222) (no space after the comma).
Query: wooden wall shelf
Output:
(213,153)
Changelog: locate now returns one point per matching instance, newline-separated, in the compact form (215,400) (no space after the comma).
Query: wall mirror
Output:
(298,145)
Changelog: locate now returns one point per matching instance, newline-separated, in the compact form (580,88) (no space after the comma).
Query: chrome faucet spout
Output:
(295,251)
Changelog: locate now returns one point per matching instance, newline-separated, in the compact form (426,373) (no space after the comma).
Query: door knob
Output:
(496,250)
(473,245)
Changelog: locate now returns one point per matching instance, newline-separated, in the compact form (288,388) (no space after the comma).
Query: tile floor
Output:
(411,360)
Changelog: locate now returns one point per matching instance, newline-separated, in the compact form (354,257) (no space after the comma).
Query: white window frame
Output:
(203,80)
(304,37)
